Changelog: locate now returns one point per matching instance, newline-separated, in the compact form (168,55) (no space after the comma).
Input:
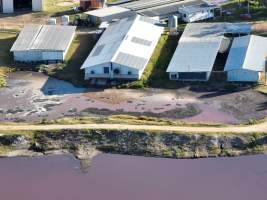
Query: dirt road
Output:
(188,129)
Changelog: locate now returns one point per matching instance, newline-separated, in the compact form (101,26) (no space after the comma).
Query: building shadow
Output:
(59,87)
(225,90)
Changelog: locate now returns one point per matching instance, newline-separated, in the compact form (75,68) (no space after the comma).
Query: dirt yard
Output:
(18,20)
(32,96)
(52,8)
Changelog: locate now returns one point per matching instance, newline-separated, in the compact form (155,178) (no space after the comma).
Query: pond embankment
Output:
(86,143)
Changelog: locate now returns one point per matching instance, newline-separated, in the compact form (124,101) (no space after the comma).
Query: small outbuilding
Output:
(196,52)
(109,14)
(195,13)
(123,50)
(10,6)
(37,43)
(247,59)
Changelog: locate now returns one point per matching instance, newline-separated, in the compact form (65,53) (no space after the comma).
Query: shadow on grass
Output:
(258,11)
(158,76)
(70,69)
(6,41)
(54,86)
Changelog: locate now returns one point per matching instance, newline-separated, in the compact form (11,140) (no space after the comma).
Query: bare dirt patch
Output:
(32,96)
(112,96)
(260,27)
(17,21)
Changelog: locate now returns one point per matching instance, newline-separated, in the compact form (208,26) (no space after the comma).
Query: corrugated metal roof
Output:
(130,60)
(103,12)
(53,37)
(111,39)
(168,9)
(141,41)
(148,20)
(197,48)
(46,37)
(238,28)
(199,45)
(98,50)
(26,37)
(144,4)
(247,52)
(119,46)
(196,8)
(192,57)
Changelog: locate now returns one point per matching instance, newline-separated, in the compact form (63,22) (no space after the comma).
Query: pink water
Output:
(116,177)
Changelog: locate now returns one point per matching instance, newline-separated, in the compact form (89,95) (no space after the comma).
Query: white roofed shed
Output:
(247,59)
(124,49)
(196,52)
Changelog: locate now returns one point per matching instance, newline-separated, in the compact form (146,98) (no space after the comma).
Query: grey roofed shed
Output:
(54,38)
(144,4)
(109,14)
(46,37)
(43,43)
(247,52)
(26,38)
(130,60)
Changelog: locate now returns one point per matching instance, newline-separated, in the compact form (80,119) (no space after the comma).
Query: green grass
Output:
(111,1)
(155,73)
(4,150)
(6,40)
(54,7)
(70,69)
(258,10)
(262,89)
(116,119)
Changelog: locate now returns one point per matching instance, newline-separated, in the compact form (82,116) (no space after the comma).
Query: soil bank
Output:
(86,143)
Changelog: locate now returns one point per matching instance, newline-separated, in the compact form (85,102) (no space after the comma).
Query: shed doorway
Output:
(22,5)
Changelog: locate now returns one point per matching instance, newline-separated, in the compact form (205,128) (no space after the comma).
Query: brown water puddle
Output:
(211,115)
(116,177)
